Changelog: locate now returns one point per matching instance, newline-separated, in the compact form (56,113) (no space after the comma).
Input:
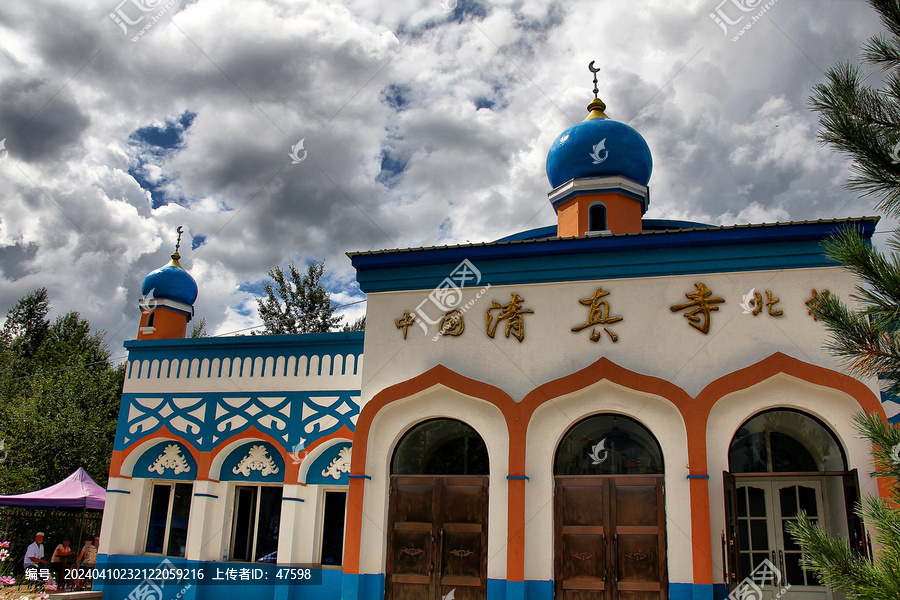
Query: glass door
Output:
(764,509)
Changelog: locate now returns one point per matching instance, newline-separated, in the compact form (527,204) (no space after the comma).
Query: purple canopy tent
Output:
(77,490)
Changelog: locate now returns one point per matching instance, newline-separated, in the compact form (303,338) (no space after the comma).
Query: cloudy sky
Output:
(424,122)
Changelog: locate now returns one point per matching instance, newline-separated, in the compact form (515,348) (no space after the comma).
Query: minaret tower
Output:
(599,170)
(168,300)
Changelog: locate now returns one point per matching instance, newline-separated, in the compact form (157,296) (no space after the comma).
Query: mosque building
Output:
(610,408)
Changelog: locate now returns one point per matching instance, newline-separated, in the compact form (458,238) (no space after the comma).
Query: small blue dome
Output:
(599,147)
(171,282)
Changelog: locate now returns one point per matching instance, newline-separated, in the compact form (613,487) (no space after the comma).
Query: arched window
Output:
(597,217)
(784,441)
(608,445)
(441,447)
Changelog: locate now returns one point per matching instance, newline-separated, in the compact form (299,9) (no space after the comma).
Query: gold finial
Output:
(597,106)
(177,256)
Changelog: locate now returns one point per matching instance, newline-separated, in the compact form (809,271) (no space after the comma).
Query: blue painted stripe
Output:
(293,499)
(359,476)
(204,496)
(648,254)
(698,476)
(525,477)
(117,492)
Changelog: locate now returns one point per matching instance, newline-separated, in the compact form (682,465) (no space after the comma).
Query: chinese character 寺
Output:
(598,315)
(405,322)
(452,323)
(812,300)
(514,315)
(703,303)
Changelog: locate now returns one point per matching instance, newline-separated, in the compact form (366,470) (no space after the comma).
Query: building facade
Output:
(609,408)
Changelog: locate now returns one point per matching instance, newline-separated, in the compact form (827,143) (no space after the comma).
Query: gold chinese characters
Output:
(514,315)
(698,311)
(598,314)
(703,303)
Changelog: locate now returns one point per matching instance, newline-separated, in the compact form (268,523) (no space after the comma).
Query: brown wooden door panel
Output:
(637,557)
(412,552)
(437,539)
(461,555)
(403,591)
(636,505)
(610,541)
(583,504)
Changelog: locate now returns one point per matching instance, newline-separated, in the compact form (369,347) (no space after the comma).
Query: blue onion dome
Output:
(599,147)
(171,282)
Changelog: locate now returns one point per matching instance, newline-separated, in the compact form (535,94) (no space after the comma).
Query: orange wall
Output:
(623,214)
(169,324)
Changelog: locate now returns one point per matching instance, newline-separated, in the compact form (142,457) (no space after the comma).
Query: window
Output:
(441,447)
(333,528)
(784,441)
(170,507)
(257,516)
(597,217)
(608,445)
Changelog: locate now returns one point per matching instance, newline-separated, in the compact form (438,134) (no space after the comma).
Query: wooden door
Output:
(610,538)
(639,544)
(437,538)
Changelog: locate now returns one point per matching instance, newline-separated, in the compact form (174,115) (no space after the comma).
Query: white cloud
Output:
(460,107)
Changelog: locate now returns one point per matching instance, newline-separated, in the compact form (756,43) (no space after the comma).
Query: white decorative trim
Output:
(340,464)
(171,458)
(257,459)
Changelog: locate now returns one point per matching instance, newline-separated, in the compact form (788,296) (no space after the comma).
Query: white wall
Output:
(653,340)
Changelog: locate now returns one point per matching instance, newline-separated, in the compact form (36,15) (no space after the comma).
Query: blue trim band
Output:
(698,476)
(359,476)
(294,499)
(117,492)
(205,496)
(647,254)
(525,477)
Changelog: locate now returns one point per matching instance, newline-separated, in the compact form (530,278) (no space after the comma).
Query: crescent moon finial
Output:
(179,230)
(594,71)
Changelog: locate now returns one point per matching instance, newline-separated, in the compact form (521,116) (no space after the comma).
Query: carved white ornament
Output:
(257,460)
(171,458)
(340,464)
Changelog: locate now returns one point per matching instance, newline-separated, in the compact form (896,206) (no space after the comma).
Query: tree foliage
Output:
(59,397)
(296,302)
(863,122)
(842,568)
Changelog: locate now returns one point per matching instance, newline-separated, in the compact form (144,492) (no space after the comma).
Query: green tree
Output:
(297,303)
(862,121)
(59,397)
(357,325)
(198,330)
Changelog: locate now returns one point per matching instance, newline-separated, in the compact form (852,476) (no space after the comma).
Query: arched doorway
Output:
(437,516)
(609,512)
(781,462)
